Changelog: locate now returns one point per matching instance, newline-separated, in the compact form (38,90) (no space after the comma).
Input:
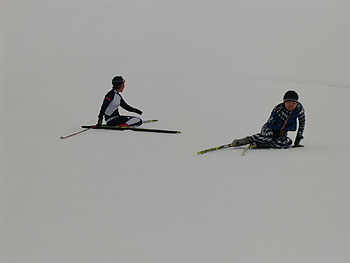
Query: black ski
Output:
(105,127)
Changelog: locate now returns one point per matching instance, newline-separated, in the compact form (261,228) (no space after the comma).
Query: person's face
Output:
(290,105)
(121,87)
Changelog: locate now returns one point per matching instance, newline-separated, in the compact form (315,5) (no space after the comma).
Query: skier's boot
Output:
(124,125)
(241,142)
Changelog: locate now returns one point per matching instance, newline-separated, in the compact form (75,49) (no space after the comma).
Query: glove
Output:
(297,141)
(138,111)
(99,123)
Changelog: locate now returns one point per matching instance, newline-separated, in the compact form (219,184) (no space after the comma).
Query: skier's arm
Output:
(301,118)
(127,107)
(104,106)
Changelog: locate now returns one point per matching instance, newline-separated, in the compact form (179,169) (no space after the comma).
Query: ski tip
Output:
(203,152)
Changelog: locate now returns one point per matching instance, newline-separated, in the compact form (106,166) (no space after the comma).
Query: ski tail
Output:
(215,148)
(250,146)
(149,121)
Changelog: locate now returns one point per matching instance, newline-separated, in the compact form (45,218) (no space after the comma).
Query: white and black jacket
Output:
(111,102)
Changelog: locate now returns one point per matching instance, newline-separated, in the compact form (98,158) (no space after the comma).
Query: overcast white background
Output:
(212,69)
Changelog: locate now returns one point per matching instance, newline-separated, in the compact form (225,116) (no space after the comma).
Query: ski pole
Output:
(65,137)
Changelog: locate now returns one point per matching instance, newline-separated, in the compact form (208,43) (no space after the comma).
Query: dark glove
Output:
(138,111)
(99,123)
(297,141)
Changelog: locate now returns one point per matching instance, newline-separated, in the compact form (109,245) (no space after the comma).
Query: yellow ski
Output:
(250,146)
(215,148)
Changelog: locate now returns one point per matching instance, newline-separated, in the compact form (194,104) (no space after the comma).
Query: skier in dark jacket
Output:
(283,119)
(109,109)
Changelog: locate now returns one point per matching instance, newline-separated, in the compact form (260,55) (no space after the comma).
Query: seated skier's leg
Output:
(116,121)
(262,139)
(241,142)
(134,122)
(282,142)
(125,121)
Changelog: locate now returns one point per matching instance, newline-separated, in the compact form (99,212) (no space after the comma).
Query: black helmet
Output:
(290,95)
(116,81)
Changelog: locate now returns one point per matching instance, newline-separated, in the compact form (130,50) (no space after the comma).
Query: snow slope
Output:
(214,70)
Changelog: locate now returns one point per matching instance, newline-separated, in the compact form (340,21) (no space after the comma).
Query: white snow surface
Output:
(212,69)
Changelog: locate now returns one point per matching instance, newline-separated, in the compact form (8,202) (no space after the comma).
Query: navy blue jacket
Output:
(279,115)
